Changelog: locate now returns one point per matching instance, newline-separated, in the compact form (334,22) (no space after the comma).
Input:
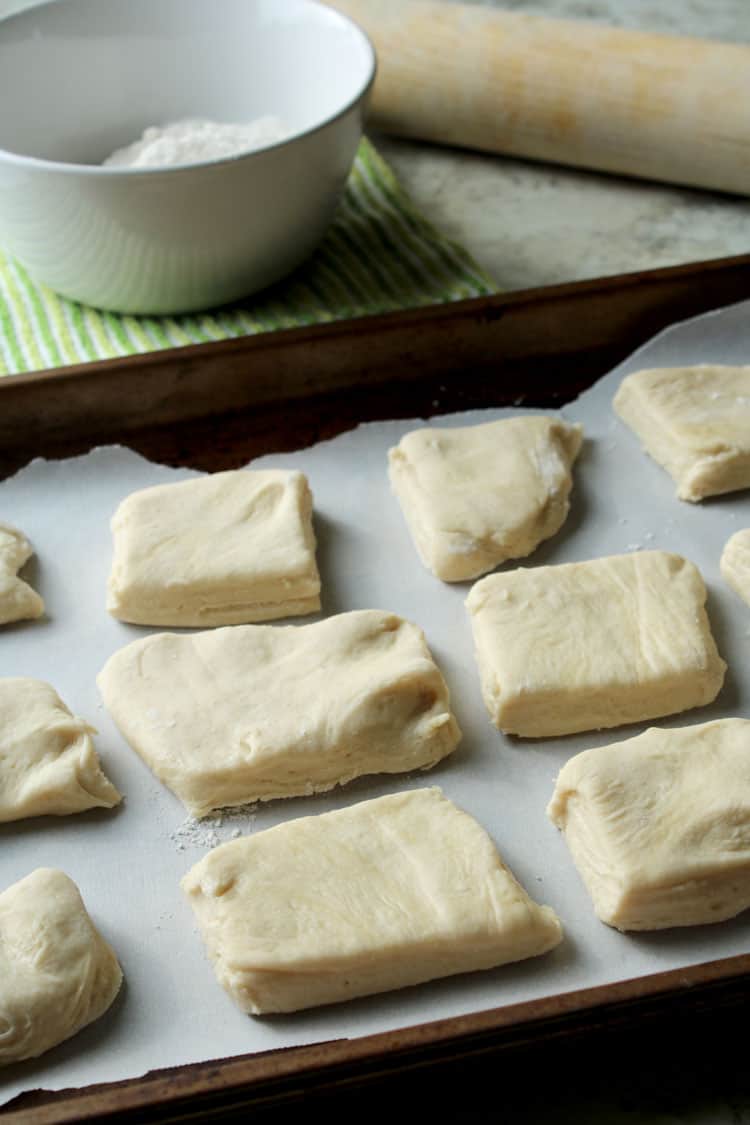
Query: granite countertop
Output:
(538,224)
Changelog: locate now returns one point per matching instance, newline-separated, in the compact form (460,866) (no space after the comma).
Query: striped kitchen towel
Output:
(379,254)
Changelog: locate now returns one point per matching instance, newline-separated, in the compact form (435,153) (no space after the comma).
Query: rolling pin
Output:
(662,107)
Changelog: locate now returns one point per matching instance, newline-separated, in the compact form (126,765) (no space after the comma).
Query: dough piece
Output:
(593,644)
(695,422)
(57,973)
(256,712)
(476,496)
(17,600)
(735,564)
(48,764)
(659,826)
(381,895)
(217,550)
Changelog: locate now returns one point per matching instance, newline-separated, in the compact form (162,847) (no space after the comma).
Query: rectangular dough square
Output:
(659,825)
(17,599)
(223,549)
(48,764)
(693,421)
(57,973)
(475,496)
(256,712)
(586,645)
(735,563)
(381,895)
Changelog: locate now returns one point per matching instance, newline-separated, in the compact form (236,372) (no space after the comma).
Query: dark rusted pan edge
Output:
(541,345)
(272,1078)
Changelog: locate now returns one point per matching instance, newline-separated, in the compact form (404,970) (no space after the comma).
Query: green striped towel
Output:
(379,254)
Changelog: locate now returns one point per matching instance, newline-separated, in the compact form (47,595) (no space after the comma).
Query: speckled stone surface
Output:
(537,224)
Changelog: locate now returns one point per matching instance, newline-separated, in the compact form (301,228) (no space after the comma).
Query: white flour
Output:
(212,831)
(191,141)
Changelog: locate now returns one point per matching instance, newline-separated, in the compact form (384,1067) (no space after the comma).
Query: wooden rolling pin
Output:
(656,106)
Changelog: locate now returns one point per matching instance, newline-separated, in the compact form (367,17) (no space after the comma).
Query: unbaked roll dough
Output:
(48,764)
(478,495)
(695,422)
(735,564)
(57,973)
(377,896)
(256,712)
(232,547)
(17,599)
(593,644)
(659,826)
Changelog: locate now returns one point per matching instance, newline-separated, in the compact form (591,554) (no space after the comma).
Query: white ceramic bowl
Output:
(80,78)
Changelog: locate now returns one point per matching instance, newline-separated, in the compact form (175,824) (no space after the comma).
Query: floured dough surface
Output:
(222,549)
(478,495)
(48,764)
(659,826)
(255,712)
(17,599)
(57,973)
(695,422)
(735,564)
(593,644)
(377,896)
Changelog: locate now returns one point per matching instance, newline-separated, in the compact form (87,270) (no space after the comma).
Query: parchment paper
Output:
(128,862)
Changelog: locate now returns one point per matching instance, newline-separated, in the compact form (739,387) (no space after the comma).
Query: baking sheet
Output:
(128,861)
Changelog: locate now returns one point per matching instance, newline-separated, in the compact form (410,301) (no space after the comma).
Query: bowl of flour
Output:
(168,156)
